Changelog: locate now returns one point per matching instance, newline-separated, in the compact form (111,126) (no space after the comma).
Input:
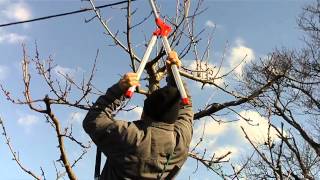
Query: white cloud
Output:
(202,143)
(210,24)
(132,115)
(207,71)
(4,70)
(238,53)
(221,151)
(11,38)
(209,135)
(17,11)
(64,71)
(72,73)
(216,138)
(258,131)
(28,120)
(13,11)
(212,128)
(211,140)
(76,117)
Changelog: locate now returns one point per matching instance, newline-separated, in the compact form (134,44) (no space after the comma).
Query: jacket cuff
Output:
(115,90)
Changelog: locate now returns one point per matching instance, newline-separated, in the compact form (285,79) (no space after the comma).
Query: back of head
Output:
(163,104)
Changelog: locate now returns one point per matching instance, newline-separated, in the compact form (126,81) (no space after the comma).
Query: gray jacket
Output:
(143,149)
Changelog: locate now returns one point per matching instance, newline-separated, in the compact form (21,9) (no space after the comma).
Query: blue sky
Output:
(248,27)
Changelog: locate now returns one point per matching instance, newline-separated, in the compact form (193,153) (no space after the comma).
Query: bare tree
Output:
(292,102)
(184,30)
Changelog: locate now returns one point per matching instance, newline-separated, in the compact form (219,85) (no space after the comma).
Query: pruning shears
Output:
(163,31)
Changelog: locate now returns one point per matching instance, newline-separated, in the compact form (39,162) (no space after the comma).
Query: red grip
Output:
(185,101)
(129,94)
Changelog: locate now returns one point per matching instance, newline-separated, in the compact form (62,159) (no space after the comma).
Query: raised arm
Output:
(184,123)
(99,122)
(100,116)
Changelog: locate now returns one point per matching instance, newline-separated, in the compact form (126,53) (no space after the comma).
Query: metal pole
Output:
(143,63)
(176,74)
(154,9)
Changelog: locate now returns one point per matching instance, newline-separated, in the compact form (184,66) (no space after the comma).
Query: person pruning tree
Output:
(154,147)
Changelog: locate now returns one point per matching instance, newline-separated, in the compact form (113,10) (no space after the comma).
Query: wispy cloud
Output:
(212,24)
(240,53)
(212,128)
(4,71)
(134,114)
(257,130)
(11,38)
(64,71)
(16,11)
(13,11)
(28,121)
(76,117)
(206,70)
(209,132)
(216,138)
(221,151)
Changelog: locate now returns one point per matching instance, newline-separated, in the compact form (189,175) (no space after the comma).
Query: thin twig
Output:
(14,153)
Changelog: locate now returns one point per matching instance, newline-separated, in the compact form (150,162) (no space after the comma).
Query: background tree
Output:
(293,102)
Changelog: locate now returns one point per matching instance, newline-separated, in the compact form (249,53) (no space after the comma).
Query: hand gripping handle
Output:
(143,63)
(164,31)
(176,74)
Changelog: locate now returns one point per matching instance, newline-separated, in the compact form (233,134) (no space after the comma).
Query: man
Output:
(154,147)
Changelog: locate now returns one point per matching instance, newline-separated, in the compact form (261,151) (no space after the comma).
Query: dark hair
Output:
(163,104)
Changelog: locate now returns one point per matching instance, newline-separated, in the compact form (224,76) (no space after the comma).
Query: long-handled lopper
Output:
(162,31)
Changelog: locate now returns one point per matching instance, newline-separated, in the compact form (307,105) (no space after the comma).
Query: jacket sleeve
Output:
(184,123)
(108,134)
